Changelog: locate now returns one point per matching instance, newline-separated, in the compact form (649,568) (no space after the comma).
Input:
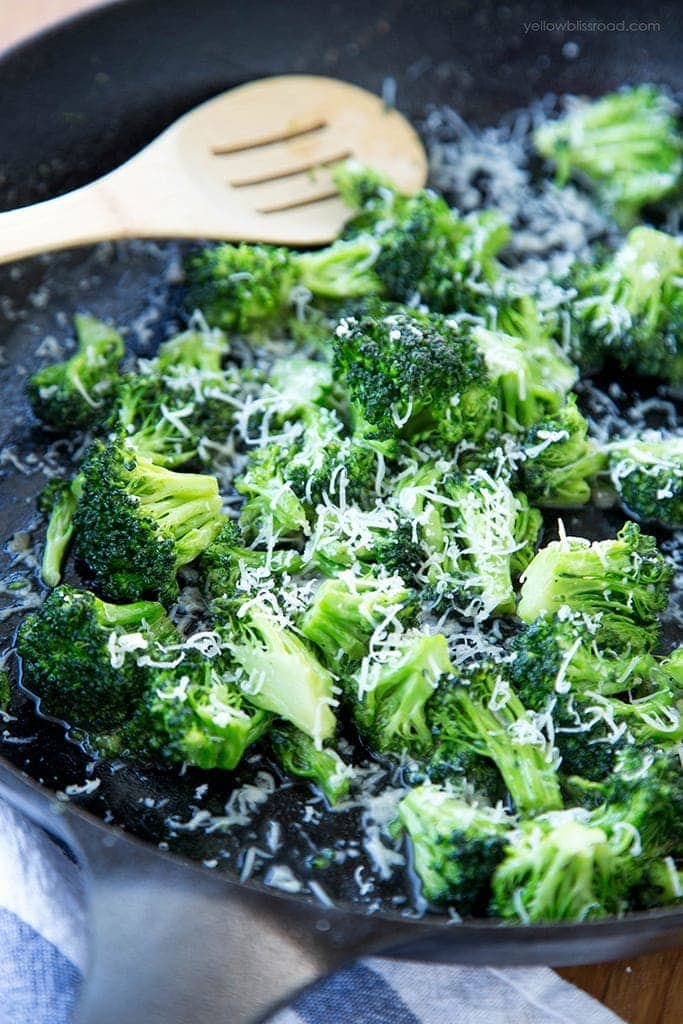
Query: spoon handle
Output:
(86,215)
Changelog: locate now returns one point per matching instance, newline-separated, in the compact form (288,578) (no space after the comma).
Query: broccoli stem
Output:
(58,537)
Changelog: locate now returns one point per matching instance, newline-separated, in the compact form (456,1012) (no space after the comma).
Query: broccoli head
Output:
(479,711)
(627,146)
(79,655)
(276,670)
(193,711)
(631,307)
(625,581)
(137,523)
(350,613)
(560,460)
(563,866)
(647,473)
(298,754)
(227,566)
(412,376)
(390,690)
(561,652)
(456,846)
(74,394)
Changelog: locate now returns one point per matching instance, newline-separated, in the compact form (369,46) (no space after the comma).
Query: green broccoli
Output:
(456,845)
(479,711)
(76,393)
(560,460)
(563,866)
(193,711)
(488,533)
(224,563)
(80,655)
(647,474)
(521,317)
(137,523)
(630,308)
(58,501)
(247,287)
(276,670)
(561,652)
(625,581)
(427,253)
(389,692)
(271,503)
(411,376)
(627,146)
(348,611)
(298,754)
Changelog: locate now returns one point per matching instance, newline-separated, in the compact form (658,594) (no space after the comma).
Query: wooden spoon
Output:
(253,164)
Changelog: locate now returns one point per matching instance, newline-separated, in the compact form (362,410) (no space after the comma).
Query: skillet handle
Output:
(175,944)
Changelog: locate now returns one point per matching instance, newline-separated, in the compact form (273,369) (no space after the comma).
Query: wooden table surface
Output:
(645,990)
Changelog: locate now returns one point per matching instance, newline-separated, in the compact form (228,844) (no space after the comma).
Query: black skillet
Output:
(175,941)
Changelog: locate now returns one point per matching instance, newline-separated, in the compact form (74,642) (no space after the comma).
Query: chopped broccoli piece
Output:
(224,562)
(663,884)
(79,655)
(427,253)
(194,712)
(411,376)
(631,307)
(561,652)
(59,501)
(627,146)
(270,496)
(456,846)
(625,581)
(298,754)
(479,711)
(564,867)
(521,318)
(489,533)
(74,394)
(390,690)
(560,461)
(348,611)
(647,473)
(137,523)
(247,287)
(5,690)
(277,671)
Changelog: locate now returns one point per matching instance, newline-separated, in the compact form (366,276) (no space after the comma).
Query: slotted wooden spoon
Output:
(253,164)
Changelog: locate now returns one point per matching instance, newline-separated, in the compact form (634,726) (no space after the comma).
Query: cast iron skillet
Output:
(173,941)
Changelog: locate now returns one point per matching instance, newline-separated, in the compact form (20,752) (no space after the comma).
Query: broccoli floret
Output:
(137,523)
(277,671)
(412,376)
(521,318)
(201,351)
(57,500)
(479,711)
(242,287)
(194,712)
(298,754)
(561,652)
(74,394)
(79,655)
(375,540)
(631,307)
(348,610)
(524,389)
(647,473)
(625,581)
(627,146)
(155,422)
(488,531)
(456,846)
(222,565)
(390,690)
(663,884)
(560,460)
(564,867)
(5,690)
(271,501)
(427,252)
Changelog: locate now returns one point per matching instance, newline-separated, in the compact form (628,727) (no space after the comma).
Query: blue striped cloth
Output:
(44,962)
